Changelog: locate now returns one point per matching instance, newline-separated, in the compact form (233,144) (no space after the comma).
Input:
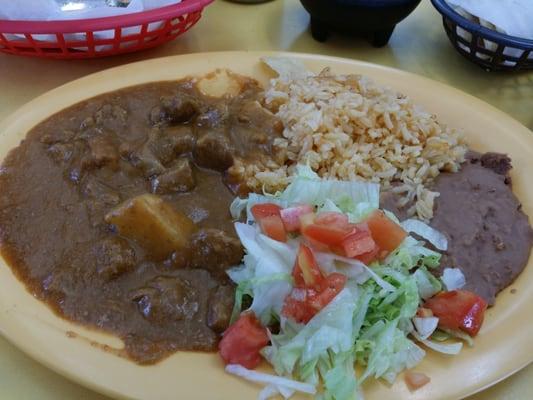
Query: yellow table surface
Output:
(419,44)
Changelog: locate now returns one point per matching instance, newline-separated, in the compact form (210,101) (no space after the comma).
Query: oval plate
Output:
(503,346)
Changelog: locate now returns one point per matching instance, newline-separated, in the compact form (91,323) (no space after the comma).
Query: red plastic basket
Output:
(99,37)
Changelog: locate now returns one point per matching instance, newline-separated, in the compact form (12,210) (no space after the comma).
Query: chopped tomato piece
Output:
(458,309)
(387,234)
(331,229)
(272,226)
(291,216)
(242,342)
(304,303)
(297,307)
(415,380)
(260,211)
(358,242)
(306,272)
(330,235)
(333,284)
(332,218)
(318,246)
(370,256)
(312,291)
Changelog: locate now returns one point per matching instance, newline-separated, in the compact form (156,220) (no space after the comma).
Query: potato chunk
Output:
(220,83)
(152,223)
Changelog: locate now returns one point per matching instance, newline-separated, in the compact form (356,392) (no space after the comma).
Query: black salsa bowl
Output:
(375,19)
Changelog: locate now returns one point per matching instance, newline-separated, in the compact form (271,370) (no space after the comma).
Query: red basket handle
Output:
(100,24)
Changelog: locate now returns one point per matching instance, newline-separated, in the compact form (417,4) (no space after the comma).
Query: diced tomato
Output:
(318,246)
(333,284)
(387,234)
(328,234)
(358,242)
(332,218)
(370,256)
(304,303)
(332,228)
(260,211)
(291,216)
(272,226)
(298,309)
(312,291)
(458,309)
(242,342)
(415,380)
(306,272)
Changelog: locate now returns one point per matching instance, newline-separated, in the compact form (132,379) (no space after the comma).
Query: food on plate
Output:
(320,223)
(458,310)
(488,233)
(115,211)
(348,127)
(415,380)
(153,224)
(347,286)
(490,236)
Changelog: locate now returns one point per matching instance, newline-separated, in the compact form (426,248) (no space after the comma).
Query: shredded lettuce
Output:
(427,284)
(328,206)
(458,335)
(425,326)
(352,268)
(372,322)
(329,330)
(441,347)
(356,199)
(255,285)
(277,381)
(265,274)
(425,231)
(272,390)
(392,352)
(339,379)
(453,278)
(383,345)
(348,196)
(412,253)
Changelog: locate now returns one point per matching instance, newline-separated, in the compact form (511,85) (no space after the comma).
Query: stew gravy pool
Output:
(137,158)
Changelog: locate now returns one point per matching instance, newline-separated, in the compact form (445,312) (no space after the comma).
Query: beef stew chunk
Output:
(220,308)
(216,251)
(214,150)
(114,257)
(165,298)
(178,178)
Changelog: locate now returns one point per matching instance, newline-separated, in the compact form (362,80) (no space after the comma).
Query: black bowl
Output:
(376,18)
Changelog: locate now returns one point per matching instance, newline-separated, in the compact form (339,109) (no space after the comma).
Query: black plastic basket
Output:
(474,47)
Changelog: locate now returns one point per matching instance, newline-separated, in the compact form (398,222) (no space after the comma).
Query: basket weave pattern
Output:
(99,37)
(489,49)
